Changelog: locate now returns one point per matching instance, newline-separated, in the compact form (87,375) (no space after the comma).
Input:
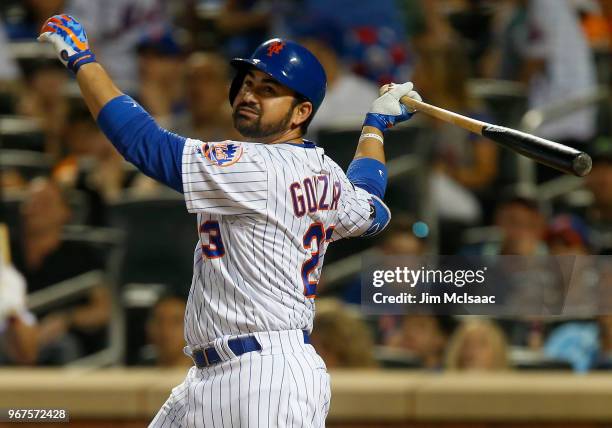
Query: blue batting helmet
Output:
(290,64)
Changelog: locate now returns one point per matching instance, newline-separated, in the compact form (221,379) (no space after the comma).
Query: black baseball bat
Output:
(555,155)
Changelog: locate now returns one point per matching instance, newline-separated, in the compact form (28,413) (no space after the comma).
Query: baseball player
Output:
(267,208)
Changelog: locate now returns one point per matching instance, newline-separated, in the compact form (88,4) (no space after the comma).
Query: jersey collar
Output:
(306,144)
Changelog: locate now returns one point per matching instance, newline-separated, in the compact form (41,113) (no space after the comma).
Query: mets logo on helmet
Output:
(222,154)
(275,48)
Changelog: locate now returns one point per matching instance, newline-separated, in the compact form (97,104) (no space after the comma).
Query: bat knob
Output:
(582,164)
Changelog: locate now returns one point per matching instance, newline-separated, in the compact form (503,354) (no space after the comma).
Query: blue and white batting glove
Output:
(68,38)
(386,111)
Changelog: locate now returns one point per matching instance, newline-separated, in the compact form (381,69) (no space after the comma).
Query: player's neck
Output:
(287,136)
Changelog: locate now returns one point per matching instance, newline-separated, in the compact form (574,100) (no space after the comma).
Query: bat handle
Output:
(410,102)
(464,122)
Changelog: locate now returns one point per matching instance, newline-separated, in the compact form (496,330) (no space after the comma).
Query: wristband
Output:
(76,61)
(378,121)
(372,135)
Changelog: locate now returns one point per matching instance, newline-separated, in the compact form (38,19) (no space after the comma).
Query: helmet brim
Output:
(243,64)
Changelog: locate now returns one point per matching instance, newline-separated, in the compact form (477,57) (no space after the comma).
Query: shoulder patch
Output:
(225,153)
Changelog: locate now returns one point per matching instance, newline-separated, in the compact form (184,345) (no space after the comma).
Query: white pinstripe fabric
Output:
(257,285)
(284,385)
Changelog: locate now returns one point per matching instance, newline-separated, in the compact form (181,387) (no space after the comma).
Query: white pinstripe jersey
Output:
(265,213)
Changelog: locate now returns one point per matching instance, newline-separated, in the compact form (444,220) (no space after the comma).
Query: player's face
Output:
(263,108)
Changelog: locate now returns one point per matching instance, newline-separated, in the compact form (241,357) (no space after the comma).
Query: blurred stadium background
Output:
(97,258)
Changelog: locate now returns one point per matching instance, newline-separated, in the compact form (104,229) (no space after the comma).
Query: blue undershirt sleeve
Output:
(135,134)
(371,175)
(368,174)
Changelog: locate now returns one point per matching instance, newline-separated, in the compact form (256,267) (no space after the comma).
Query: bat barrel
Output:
(555,155)
(582,164)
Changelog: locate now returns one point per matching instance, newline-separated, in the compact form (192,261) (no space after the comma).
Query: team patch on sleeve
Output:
(222,154)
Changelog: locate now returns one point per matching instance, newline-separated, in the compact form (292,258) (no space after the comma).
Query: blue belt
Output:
(241,345)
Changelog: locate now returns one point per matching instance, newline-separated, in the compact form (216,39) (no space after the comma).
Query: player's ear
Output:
(301,112)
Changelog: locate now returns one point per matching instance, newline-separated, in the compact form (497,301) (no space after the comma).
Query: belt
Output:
(241,345)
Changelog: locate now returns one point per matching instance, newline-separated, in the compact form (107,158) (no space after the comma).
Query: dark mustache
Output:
(248,107)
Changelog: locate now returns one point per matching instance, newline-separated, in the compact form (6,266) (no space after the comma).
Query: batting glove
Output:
(68,38)
(386,110)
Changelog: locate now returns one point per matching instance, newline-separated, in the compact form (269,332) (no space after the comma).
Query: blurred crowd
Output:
(96,258)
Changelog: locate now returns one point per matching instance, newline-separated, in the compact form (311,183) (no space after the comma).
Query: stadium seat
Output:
(29,164)
(159,242)
(20,133)
(390,358)
(543,364)
(9,213)
(7,103)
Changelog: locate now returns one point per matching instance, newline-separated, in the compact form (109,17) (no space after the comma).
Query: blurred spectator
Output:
(115,28)
(348,96)
(574,342)
(92,165)
(594,23)
(599,182)
(165,332)
(12,180)
(18,330)
(43,100)
(463,162)
(522,229)
(522,226)
(568,235)
(585,345)
(8,67)
(244,24)
(398,239)
(544,46)
(606,10)
(473,21)
(24,21)
(442,22)
(424,337)
(209,115)
(379,54)
(340,337)
(87,149)
(160,67)
(477,345)
(372,36)
(433,29)
(45,259)
(604,356)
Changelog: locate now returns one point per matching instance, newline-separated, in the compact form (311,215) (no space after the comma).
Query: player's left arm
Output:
(367,170)
(133,132)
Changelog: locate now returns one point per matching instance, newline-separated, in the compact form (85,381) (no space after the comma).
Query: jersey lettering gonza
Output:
(266,214)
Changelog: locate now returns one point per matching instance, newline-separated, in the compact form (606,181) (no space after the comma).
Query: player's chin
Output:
(247,128)
(243,122)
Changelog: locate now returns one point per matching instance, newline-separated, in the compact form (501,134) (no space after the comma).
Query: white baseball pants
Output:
(284,385)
